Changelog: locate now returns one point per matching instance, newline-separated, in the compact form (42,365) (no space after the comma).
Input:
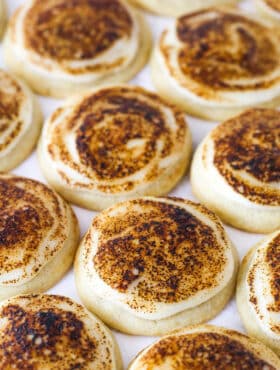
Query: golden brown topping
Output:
(272,258)
(119,132)
(11,101)
(222,51)
(263,281)
(250,143)
(274,4)
(47,332)
(30,216)
(203,351)
(168,252)
(75,29)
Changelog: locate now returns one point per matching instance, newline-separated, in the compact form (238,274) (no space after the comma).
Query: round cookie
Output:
(3,16)
(114,144)
(258,291)
(64,47)
(269,10)
(174,8)
(39,234)
(20,121)
(236,171)
(53,332)
(206,347)
(152,265)
(215,63)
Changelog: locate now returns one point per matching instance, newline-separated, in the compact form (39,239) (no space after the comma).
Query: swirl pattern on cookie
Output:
(206,347)
(247,155)
(115,141)
(157,257)
(80,42)
(221,56)
(47,331)
(13,104)
(262,280)
(18,119)
(34,225)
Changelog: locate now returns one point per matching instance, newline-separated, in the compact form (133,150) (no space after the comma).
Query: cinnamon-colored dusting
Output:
(29,211)
(117,133)
(168,252)
(37,333)
(11,100)
(196,351)
(274,4)
(66,30)
(222,51)
(250,143)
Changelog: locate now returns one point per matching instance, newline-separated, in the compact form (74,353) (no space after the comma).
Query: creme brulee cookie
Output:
(39,234)
(236,170)
(214,63)
(63,47)
(20,121)
(53,332)
(151,265)
(113,144)
(257,296)
(206,347)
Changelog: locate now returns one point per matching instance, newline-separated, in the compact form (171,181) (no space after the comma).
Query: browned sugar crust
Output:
(77,30)
(173,253)
(203,351)
(274,4)
(250,142)
(39,335)
(220,50)
(11,100)
(25,220)
(104,124)
(272,256)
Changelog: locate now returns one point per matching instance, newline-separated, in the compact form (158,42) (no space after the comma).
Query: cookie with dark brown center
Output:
(206,347)
(239,160)
(69,46)
(38,236)
(152,265)
(47,332)
(218,62)
(115,143)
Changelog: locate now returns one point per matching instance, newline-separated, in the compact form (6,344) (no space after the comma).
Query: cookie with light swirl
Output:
(236,171)
(152,265)
(114,144)
(258,291)
(3,16)
(175,8)
(214,63)
(20,121)
(63,47)
(53,332)
(206,347)
(39,234)
(269,10)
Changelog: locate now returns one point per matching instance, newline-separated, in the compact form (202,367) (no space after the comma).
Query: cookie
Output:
(113,144)
(152,265)
(236,171)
